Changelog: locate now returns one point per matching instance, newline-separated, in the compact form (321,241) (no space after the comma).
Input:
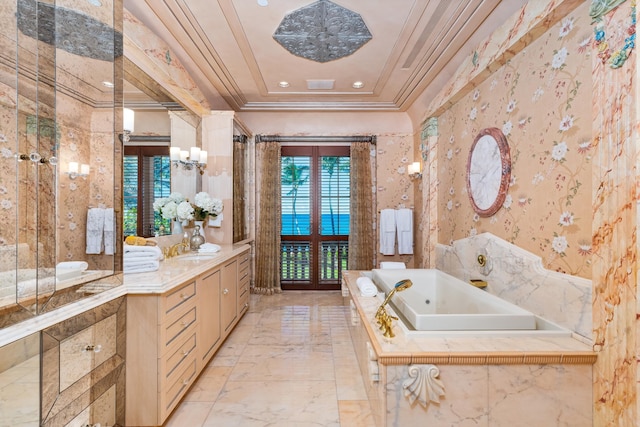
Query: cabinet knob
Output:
(225,291)
(184,296)
(185,353)
(95,348)
(185,382)
(184,323)
(246,304)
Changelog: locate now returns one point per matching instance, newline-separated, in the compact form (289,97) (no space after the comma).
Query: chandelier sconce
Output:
(74,172)
(194,158)
(128,119)
(414,170)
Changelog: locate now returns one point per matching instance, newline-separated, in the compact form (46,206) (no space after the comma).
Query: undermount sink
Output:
(196,257)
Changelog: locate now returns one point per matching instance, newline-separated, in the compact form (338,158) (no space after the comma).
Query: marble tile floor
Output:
(289,362)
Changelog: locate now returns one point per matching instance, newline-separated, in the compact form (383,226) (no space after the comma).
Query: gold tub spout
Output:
(478,283)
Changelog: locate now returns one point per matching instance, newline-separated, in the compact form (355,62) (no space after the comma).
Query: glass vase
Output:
(176,227)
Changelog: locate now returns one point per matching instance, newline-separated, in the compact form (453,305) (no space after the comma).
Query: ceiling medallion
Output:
(322,32)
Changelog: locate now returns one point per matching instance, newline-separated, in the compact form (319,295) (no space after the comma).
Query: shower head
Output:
(402,285)
(398,287)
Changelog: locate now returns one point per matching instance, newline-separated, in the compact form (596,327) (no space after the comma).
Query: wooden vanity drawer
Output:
(172,330)
(243,302)
(178,355)
(184,294)
(243,285)
(177,385)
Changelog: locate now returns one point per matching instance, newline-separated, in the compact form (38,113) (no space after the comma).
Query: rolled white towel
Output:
(367,287)
(73,265)
(391,265)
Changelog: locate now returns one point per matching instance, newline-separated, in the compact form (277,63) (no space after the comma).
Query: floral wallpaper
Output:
(541,99)
(393,187)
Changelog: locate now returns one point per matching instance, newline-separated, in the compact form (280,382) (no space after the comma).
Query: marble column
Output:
(615,252)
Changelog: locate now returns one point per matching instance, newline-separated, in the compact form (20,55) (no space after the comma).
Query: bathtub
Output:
(438,301)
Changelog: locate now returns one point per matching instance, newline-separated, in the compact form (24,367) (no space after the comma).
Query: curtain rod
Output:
(149,138)
(307,138)
(240,138)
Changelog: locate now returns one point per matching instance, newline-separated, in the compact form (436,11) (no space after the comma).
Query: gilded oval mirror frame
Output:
(488,171)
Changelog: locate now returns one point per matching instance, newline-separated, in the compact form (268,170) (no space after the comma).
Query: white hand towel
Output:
(137,261)
(404,223)
(387,231)
(109,232)
(366,286)
(209,248)
(391,265)
(95,229)
(146,252)
(142,267)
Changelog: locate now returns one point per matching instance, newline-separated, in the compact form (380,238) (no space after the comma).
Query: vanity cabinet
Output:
(172,336)
(83,368)
(210,332)
(229,301)
(244,279)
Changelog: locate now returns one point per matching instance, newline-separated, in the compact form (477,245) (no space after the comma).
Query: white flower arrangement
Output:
(167,207)
(176,206)
(204,206)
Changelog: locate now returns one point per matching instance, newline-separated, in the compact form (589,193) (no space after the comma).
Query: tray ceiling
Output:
(229,48)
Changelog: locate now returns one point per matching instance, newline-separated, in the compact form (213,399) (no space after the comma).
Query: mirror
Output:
(488,171)
(59,158)
(20,387)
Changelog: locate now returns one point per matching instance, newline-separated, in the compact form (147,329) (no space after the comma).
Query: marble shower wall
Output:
(541,100)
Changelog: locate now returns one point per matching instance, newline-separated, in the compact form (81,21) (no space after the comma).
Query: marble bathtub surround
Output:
(491,379)
(518,276)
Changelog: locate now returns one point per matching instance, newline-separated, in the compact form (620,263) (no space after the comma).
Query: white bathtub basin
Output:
(440,302)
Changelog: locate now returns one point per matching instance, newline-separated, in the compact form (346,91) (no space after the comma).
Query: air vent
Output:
(320,84)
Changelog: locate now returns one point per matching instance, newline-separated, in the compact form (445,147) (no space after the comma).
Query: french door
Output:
(315,216)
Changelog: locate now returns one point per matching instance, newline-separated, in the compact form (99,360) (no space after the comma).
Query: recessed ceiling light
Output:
(108,84)
(263,3)
(95,2)
(358,85)
(283,84)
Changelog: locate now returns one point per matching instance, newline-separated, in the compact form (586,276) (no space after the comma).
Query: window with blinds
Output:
(147,176)
(315,197)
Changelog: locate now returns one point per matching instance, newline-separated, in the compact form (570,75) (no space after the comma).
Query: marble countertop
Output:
(468,348)
(172,272)
(177,270)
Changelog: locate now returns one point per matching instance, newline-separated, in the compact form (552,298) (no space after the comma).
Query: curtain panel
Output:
(239,202)
(267,275)
(361,244)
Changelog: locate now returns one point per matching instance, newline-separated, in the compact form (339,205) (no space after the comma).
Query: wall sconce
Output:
(74,173)
(194,158)
(128,119)
(414,170)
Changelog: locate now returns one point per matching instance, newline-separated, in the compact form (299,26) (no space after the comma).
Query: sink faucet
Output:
(177,249)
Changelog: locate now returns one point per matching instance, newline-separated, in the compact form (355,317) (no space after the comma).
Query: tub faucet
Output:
(384,319)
